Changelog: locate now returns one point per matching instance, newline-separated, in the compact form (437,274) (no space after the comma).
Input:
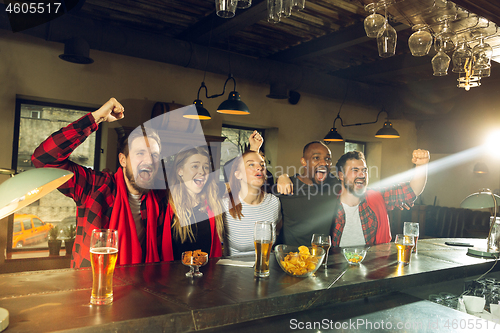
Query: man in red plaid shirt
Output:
(121,201)
(362,216)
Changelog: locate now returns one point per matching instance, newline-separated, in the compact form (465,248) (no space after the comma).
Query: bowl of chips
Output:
(194,259)
(354,255)
(301,261)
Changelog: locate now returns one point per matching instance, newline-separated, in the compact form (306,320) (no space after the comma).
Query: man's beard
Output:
(350,188)
(131,179)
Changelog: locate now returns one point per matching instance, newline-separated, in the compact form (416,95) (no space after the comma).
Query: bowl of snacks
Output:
(301,261)
(194,260)
(354,255)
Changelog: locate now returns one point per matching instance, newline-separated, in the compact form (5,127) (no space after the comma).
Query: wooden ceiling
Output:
(327,37)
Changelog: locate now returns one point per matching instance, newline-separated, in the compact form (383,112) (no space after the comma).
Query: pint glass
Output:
(404,245)
(411,229)
(263,239)
(103,255)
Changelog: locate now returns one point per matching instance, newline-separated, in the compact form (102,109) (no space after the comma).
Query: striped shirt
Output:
(239,233)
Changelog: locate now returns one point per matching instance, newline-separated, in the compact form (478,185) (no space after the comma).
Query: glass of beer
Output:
(103,255)
(263,238)
(405,245)
(411,229)
(324,241)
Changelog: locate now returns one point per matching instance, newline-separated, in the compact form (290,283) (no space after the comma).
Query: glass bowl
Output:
(354,255)
(297,263)
(194,260)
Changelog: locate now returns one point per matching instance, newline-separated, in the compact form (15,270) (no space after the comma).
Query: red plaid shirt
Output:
(93,191)
(394,196)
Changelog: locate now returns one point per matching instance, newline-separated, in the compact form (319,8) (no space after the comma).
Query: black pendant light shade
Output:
(233,105)
(333,136)
(387,132)
(201,112)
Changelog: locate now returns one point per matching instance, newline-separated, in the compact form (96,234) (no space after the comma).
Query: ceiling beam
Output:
(336,41)
(400,64)
(215,28)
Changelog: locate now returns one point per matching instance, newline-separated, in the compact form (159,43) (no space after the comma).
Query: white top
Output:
(135,206)
(353,231)
(240,232)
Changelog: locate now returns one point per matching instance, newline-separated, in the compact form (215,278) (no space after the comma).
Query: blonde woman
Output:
(194,212)
(247,202)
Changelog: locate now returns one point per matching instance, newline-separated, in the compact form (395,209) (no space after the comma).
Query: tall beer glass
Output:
(412,229)
(263,239)
(405,245)
(103,255)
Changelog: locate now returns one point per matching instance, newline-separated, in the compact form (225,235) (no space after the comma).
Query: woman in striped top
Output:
(247,202)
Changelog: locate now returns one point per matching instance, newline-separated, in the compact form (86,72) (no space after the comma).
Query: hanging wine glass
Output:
(481,55)
(386,38)
(225,8)
(440,63)
(483,72)
(299,4)
(274,10)
(420,41)
(244,4)
(286,10)
(373,22)
(447,38)
(460,56)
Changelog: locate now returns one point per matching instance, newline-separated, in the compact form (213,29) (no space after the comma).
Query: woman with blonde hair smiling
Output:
(194,212)
(247,202)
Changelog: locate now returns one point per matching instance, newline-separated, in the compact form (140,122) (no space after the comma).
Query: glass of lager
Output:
(324,241)
(103,255)
(405,245)
(411,229)
(263,238)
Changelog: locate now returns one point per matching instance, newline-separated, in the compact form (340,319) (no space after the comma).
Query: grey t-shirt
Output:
(310,209)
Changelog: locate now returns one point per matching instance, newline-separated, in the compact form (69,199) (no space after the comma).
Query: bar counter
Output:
(160,298)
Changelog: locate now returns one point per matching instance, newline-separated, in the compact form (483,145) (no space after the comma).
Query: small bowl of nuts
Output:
(354,255)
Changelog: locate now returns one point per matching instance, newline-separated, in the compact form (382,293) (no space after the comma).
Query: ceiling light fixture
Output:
(386,132)
(480,168)
(233,105)
(333,135)
(201,112)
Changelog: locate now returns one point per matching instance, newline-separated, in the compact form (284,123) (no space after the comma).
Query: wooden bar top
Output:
(160,298)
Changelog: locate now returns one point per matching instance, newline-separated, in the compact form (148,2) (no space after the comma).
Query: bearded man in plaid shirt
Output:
(121,201)
(362,216)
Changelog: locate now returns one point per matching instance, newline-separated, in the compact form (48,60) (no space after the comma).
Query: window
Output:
(37,223)
(27,224)
(35,121)
(354,145)
(238,137)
